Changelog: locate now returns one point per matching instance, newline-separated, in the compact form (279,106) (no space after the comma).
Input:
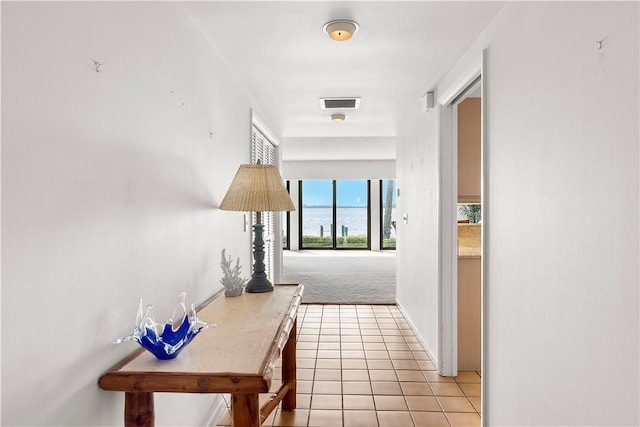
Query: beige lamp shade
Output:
(257,188)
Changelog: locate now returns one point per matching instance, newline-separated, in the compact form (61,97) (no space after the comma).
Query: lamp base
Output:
(259,282)
(259,285)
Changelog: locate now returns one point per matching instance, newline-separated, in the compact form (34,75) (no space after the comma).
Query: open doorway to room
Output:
(469,225)
(462,230)
(336,236)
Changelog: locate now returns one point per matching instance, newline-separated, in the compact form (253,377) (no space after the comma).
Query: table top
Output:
(235,356)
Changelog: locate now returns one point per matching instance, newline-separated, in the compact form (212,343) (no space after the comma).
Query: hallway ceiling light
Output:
(338,118)
(341,29)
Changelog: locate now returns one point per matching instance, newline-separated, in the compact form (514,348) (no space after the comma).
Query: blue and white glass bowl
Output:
(166,341)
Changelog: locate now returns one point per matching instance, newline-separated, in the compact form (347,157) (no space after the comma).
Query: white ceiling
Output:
(402,50)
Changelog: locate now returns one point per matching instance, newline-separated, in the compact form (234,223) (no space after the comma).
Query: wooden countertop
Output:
(469,241)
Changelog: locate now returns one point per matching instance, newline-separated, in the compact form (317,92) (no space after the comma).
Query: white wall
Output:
(561,279)
(339,169)
(561,291)
(417,241)
(339,148)
(110,187)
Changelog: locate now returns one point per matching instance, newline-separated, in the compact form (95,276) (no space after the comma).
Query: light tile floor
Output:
(361,365)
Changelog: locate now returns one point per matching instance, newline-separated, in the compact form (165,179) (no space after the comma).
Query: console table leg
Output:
(138,410)
(289,369)
(245,410)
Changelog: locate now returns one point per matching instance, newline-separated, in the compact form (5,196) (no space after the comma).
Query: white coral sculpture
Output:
(232,282)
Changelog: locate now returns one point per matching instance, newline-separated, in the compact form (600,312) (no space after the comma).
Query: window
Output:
(334,214)
(352,214)
(265,150)
(286,230)
(316,214)
(388,196)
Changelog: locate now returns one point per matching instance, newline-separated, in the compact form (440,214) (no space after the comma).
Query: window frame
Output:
(382,247)
(334,238)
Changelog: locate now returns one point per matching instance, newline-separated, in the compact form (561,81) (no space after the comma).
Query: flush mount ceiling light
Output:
(338,117)
(341,29)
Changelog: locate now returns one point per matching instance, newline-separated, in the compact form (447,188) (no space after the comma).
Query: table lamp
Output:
(257,188)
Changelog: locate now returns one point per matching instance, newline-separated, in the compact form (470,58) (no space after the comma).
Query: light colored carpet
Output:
(343,277)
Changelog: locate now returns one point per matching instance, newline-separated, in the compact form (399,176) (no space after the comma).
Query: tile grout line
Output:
(384,323)
(375,407)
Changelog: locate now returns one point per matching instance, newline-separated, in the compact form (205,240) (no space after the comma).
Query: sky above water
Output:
(348,193)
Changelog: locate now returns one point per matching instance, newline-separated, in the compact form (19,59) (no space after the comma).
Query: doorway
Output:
(456,301)
(469,230)
(463,226)
(342,264)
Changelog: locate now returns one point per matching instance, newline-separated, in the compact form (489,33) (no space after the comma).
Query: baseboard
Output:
(215,412)
(424,345)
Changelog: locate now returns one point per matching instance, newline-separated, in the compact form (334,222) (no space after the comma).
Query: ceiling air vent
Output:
(340,103)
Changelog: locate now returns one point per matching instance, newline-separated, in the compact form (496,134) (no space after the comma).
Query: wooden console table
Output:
(237,357)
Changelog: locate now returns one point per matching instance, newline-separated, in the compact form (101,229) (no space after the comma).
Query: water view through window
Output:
(352,214)
(335,214)
(285,224)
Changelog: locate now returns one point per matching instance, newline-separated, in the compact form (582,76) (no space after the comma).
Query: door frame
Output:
(447,213)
